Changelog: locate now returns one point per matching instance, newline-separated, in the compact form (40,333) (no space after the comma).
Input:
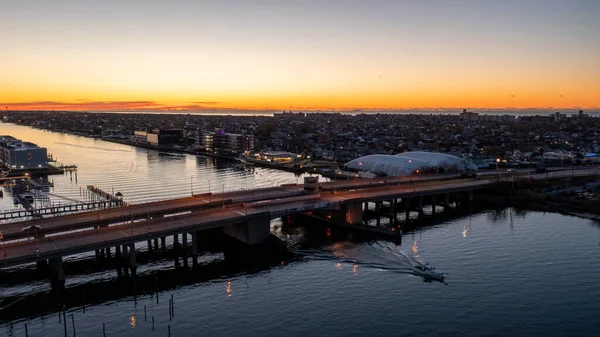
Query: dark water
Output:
(510,272)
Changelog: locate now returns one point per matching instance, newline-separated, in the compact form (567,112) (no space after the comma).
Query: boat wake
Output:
(379,255)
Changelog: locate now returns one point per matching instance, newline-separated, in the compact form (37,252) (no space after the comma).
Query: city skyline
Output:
(299,55)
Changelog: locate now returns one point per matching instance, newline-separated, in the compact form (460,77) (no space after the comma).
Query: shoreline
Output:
(541,204)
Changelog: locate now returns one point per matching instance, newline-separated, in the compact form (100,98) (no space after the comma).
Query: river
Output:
(510,271)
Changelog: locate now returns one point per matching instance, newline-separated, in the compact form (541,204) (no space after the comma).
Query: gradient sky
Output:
(299,54)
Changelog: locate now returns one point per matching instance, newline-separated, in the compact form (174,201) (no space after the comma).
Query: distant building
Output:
(18,155)
(469,116)
(157,137)
(580,115)
(140,137)
(220,141)
(559,117)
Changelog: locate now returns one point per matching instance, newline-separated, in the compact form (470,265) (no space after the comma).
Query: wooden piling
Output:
(64,321)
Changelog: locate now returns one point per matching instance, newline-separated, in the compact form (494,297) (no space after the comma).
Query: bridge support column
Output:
(132,264)
(407,204)
(420,209)
(353,212)
(107,253)
(156,244)
(149,245)
(40,265)
(254,230)
(433,201)
(125,259)
(163,242)
(195,248)
(447,201)
(175,240)
(119,258)
(184,240)
(393,212)
(58,274)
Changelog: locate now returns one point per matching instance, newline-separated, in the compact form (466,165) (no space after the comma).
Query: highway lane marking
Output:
(240,213)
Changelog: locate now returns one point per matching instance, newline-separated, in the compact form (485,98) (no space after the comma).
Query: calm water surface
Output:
(510,272)
(141,175)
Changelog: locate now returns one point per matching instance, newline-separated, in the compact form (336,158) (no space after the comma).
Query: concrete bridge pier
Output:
(353,212)
(132,262)
(446,204)
(125,259)
(40,265)
(175,240)
(150,248)
(118,257)
(107,253)
(433,203)
(195,248)
(184,240)
(393,212)
(156,244)
(254,230)
(57,280)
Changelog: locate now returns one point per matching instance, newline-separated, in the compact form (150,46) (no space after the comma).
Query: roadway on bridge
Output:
(23,229)
(87,240)
(18,230)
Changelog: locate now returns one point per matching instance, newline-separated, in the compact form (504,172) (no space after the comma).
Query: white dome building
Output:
(407,163)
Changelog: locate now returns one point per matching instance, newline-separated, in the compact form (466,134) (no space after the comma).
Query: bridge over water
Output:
(243,215)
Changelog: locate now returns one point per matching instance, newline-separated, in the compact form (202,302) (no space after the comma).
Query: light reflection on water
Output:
(518,279)
(515,273)
(141,175)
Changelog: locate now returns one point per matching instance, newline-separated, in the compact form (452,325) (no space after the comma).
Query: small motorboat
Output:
(428,272)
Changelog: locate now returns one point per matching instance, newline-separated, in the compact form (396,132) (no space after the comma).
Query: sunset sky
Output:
(299,54)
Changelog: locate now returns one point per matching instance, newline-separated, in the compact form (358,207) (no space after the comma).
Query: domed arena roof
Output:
(407,163)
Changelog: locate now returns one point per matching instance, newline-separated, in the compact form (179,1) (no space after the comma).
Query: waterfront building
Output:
(140,137)
(164,136)
(18,155)
(278,157)
(227,143)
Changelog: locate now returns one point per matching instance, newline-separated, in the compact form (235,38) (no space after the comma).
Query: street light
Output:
(497,163)
(208,181)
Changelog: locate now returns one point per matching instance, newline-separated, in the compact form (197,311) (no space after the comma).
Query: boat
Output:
(419,268)
(428,272)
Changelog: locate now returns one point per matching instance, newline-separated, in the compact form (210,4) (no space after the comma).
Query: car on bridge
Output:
(32,228)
